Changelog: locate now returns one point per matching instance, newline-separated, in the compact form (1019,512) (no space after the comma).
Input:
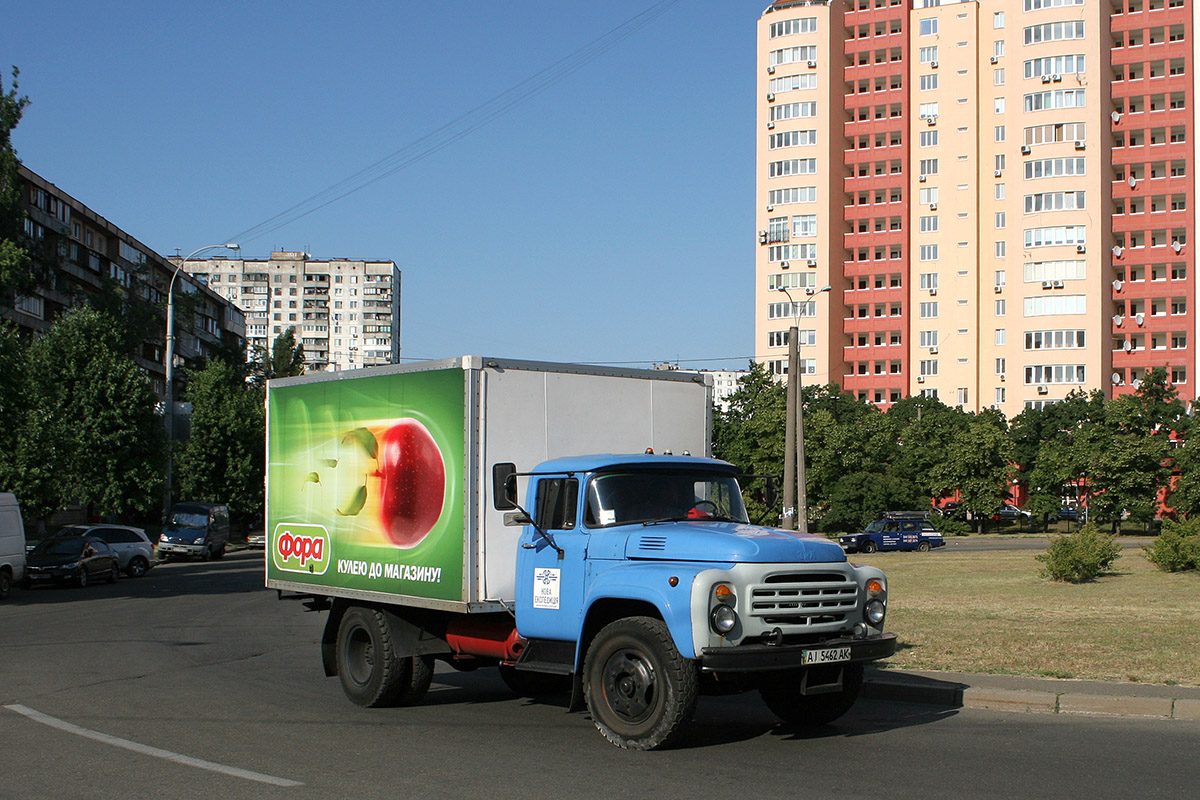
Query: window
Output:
(998,48)
(790,83)
(791,139)
(1000,135)
(1001,308)
(1054,167)
(1055,65)
(1059,98)
(804,225)
(927,196)
(789,27)
(1001,249)
(1058,235)
(928,55)
(929,139)
(1054,201)
(1037,271)
(793,111)
(928,82)
(929,310)
(793,55)
(998,77)
(929,280)
(1034,5)
(1001,220)
(928,166)
(791,310)
(1000,395)
(929,367)
(927,110)
(999,105)
(1052,305)
(928,338)
(929,252)
(1055,340)
(928,27)
(795,166)
(929,224)
(798,194)
(1054,373)
(1054,32)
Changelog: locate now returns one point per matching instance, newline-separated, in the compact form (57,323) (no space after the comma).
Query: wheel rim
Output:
(137,568)
(82,576)
(629,686)
(360,656)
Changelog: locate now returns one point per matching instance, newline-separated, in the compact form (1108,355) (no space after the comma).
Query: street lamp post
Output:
(170,368)
(795,481)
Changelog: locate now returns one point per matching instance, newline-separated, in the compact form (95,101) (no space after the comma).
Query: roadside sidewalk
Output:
(1034,695)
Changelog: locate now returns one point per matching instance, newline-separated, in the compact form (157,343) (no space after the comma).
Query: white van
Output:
(12,543)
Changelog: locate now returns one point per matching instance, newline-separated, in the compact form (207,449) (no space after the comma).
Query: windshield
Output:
(59,547)
(188,519)
(623,498)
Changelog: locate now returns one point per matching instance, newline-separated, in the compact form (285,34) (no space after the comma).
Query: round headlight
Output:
(723,619)
(874,611)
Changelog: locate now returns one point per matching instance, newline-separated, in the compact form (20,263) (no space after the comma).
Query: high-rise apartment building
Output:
(999,195)
(86,257)
(345,312)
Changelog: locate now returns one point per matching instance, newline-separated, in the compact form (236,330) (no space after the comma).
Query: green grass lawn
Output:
(988,611)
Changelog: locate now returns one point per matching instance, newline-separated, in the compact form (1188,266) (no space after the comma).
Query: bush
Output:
(1177,547)
(1080,556)
(949,526)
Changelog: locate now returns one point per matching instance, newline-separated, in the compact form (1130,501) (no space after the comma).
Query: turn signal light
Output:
(723,592)
(875,586)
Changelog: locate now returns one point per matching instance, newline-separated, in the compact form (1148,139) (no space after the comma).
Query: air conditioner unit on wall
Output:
(1026,150)
(1080,248)
(994,60)
(1043,390)
(920,379)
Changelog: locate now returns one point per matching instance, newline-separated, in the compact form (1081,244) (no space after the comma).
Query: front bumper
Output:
(765,657)
(177,549)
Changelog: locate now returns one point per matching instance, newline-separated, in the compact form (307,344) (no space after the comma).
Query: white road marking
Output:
(146,749)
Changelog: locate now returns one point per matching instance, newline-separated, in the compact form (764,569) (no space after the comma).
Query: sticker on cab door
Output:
(545,588)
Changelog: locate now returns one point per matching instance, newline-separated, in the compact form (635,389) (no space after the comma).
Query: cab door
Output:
(550,587)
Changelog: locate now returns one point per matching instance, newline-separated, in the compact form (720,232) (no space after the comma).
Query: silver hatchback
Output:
(131,544)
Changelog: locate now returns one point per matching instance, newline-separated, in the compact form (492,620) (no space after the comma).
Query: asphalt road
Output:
(197,661)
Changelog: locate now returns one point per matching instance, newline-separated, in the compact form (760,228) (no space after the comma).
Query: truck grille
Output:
(804,598)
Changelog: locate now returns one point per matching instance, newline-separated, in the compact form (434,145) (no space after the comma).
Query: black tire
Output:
(639,689)
(115,574)
(371,672)
(525,683)
(868,547)
(220,553)
(137,567)
(922,547)
(82,580)
(782,696)
(207,554)
(6,583)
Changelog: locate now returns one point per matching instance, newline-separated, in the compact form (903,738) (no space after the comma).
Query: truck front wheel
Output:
(782,696)
(371,672)
(639,689)
(868,547)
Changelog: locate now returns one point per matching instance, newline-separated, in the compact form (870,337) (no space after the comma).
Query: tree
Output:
(92,434)
(223,459)
(977,463)
(859,497)
(750,433)
(16,265)
(285,360)
(924,428)
(13,400)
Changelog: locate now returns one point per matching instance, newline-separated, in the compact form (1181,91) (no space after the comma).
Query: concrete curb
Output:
(981,692)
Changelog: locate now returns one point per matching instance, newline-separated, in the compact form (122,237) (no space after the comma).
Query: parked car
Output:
(12,543)
(1010,513)
(897,530)
(71,559)
(1069,513)
(195,529)
(132,545)
(258,540)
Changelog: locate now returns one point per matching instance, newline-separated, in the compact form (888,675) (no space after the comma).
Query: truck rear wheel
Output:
(782,696)
(371,672)
(922,547)
(639,689)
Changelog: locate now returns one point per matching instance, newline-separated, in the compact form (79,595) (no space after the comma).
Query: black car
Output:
(71,559)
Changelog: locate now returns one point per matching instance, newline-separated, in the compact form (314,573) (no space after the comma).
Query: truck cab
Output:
(643,576)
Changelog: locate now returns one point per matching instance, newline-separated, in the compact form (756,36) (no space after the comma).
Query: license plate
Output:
(829,655)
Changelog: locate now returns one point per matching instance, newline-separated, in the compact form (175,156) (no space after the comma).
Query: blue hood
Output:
(181,534)
(728,541)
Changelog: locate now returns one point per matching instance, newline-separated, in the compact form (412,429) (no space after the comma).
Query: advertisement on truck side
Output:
(364,484)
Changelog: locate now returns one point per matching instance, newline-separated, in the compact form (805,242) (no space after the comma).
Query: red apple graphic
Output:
(413,478)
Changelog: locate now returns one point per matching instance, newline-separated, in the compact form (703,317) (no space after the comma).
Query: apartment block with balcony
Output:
(1013,196)
(89,255)
(345,312)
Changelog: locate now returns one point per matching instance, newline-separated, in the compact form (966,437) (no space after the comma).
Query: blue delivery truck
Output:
(468,529)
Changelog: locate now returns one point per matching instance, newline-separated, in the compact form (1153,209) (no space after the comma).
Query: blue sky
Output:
(607,219)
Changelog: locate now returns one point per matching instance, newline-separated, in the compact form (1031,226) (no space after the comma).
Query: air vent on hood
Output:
(652,543)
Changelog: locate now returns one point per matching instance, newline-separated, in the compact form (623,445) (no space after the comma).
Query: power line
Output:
(459,127)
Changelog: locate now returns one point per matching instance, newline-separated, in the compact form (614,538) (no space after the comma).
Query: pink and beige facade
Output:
(999,195)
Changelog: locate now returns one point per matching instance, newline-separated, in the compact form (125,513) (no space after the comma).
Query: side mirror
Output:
(770,491)
(504,486)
